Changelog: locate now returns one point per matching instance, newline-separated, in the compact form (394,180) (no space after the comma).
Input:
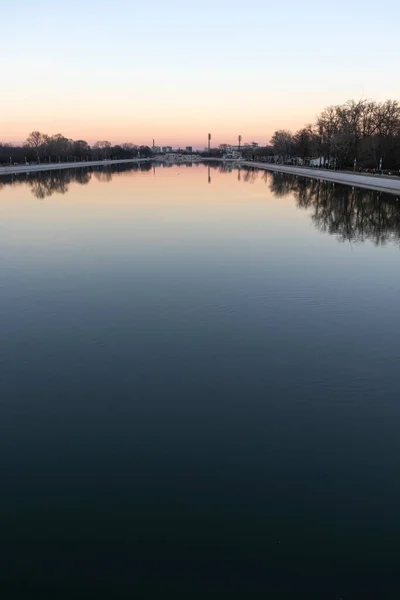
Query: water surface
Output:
(199,385)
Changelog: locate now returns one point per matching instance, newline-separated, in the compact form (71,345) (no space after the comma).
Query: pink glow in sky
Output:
(174,71)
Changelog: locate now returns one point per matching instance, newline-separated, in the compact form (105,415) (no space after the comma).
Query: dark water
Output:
(199,393)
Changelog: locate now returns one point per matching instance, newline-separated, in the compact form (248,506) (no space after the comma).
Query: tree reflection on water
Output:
(43,184)
(350,214)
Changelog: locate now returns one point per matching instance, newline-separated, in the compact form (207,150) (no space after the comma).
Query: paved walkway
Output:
(390,185)
(69,165)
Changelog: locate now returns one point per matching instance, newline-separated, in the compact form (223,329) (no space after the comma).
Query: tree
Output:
(104,147)
(305,142)
(386,144)
(37,141)
(282,142)
(80,148)
(58,146)
(355,122)
(327,126)
(145,152)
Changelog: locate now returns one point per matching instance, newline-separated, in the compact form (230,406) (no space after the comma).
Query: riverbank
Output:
(13,170)
(390,185)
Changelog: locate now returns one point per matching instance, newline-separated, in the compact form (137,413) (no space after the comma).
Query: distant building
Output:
(189,149)
(156,150)
(232,155)
(251,146)
(167,149)
(173,158)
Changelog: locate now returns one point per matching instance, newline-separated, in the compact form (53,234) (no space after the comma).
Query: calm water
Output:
(199,386)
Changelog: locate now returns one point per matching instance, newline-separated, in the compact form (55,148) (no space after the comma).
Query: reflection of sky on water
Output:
(193,369)
(348,213)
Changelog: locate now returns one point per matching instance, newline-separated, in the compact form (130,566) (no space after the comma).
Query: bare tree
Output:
(104,147)
(58,146)
(37,141)
(305,142)
(327,127)
(282,142)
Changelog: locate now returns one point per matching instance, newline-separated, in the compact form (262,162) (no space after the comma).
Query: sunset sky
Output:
(173,70)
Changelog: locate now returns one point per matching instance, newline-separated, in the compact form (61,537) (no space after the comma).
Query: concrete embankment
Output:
(15,169)
(390,185)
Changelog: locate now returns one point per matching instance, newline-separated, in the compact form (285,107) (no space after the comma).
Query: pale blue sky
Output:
(175,70)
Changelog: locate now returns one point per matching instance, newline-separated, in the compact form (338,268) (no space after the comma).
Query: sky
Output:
(174,70)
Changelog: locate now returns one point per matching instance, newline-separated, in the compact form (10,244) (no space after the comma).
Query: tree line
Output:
(42,148)
(357,134)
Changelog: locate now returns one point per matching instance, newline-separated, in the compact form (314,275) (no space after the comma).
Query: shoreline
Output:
(15,169)
(390,185)
(380,183)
